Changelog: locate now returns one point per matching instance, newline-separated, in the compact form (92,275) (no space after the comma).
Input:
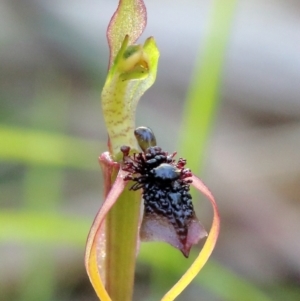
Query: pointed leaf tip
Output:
(130,19)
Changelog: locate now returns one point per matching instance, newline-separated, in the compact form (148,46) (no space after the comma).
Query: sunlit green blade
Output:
(203,95)
(31,146)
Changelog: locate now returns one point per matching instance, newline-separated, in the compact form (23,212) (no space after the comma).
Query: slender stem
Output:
(121,243)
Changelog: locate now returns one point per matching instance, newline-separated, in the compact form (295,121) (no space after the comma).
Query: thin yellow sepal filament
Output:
(91,253)
(206,251)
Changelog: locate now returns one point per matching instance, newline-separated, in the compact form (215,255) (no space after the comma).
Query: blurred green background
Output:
(226,97)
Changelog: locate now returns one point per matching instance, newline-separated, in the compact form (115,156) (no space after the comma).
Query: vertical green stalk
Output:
(132,70)
(121,245)
(202,99)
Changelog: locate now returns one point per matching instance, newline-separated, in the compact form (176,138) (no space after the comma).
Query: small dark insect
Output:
(164,182)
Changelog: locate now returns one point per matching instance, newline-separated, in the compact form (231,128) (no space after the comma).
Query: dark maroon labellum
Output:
(166,194)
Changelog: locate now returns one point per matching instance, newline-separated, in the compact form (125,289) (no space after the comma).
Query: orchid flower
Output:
(128,172)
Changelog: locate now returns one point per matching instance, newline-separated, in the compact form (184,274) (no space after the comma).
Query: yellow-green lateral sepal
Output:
(131,74)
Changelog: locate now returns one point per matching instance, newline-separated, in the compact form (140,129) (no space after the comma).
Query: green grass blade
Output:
(202,99)
(42,228)
(30,146)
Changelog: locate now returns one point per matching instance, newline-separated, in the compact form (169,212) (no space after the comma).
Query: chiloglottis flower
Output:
(129,173)
(168,216)
(168,210)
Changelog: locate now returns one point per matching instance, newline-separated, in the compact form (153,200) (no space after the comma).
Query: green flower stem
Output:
(132,71)
(122,223)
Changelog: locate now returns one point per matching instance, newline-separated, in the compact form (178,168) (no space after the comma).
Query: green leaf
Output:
(203,95)
(32,146)
(41,227)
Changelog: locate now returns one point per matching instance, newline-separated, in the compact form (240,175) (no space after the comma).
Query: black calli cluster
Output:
(164,182)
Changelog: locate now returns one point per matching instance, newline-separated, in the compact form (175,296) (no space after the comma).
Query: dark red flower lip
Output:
(93,247)
(158,228)
(169,215)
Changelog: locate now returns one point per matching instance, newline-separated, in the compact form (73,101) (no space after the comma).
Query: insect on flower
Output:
(168,210)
